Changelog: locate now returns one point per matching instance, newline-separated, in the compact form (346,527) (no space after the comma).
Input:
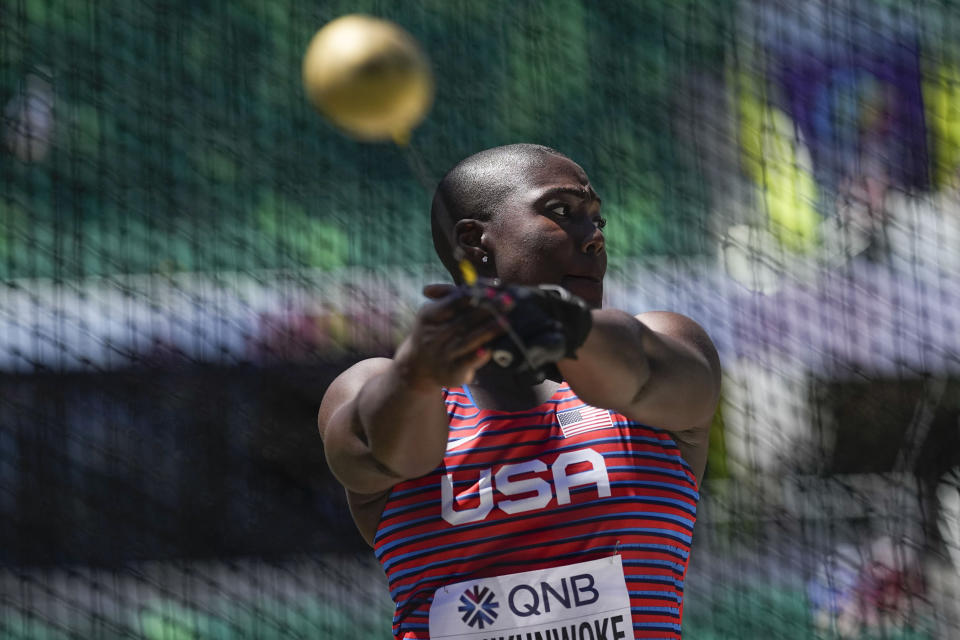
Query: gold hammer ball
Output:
(369,77)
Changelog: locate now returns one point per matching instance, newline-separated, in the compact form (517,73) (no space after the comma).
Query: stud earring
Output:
(485,259)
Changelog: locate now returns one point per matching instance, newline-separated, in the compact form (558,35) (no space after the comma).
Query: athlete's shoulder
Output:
(687,331)
(361,372)
(347,385)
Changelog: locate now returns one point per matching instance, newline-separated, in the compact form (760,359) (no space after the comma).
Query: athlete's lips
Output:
(588,287)
(582,279)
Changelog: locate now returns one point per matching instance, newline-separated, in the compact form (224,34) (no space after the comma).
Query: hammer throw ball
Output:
(369,77)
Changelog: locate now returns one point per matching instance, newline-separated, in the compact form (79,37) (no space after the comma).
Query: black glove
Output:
(546,323)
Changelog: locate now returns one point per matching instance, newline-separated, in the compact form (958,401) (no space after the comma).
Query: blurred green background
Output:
(181,138)
(189,254)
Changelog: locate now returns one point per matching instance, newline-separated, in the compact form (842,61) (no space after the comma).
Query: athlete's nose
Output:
(594,242)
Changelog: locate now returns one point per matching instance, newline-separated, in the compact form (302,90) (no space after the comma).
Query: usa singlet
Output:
(559,484)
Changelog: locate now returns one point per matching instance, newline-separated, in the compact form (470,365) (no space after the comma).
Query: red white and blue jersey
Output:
(561,483)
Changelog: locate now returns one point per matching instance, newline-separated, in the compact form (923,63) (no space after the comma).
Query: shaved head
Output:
(476,188)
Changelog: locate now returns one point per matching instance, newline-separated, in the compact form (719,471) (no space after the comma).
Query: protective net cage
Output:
(189,254)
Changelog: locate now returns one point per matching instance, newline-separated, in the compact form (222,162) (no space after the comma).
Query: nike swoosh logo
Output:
(455,444)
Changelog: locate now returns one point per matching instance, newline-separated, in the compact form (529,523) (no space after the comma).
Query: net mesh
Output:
(189,255)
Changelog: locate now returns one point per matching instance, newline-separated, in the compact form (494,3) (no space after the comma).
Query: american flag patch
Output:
(585,418)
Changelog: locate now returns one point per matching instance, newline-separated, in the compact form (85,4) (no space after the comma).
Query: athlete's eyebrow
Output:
(584,193)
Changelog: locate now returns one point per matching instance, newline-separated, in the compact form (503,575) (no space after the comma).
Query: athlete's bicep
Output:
(684,385)
(694,445)
(346,450)
(366,510)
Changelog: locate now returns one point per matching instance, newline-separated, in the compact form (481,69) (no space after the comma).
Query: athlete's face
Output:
(549,232)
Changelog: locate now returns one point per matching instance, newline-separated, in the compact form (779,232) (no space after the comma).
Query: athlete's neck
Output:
(499,392)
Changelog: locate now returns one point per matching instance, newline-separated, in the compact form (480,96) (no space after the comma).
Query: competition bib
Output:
(582,601)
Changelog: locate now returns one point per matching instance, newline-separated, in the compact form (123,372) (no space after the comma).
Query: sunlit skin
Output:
(384,420)
(549,231)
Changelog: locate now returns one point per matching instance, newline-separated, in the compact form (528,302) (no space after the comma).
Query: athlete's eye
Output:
(600,221)
(559,209)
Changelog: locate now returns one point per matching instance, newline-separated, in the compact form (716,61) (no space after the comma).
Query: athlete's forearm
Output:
(661,369)
(612,366)
(403,422)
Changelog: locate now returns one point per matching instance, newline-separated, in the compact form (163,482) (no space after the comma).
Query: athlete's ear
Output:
(468,236)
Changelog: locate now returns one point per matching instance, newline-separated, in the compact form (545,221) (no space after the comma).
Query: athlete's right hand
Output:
(445,347)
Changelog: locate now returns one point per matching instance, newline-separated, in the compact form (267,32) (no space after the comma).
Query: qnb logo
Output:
(518,479)
(526,600)
(478,606)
